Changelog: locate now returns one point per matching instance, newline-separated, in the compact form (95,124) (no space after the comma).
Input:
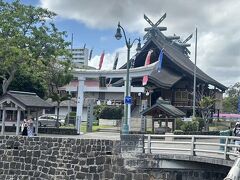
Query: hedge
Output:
(52,130)
(108,112)
(216,133)
(46,130)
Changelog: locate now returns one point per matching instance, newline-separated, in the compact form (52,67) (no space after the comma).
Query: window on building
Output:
(181,95)
(50,110)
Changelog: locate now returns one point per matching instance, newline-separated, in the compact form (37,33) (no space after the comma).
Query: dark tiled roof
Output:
(73,103)
(166,78)
(178,58)
(28,99)
(164,106)
(182,61)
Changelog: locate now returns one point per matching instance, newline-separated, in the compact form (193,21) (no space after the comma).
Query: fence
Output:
(195,145)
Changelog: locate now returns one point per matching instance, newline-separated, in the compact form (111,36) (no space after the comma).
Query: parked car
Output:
(50,120)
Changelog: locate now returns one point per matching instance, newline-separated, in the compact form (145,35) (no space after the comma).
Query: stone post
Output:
(18,121)
(90,115)
(36,125)
(3,121)
(80,100)
(132,143)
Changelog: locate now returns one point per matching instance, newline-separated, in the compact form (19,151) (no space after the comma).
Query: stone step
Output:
(108,130)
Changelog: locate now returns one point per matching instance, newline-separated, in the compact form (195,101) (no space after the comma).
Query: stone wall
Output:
(53,158)
(60,158)
(56,158)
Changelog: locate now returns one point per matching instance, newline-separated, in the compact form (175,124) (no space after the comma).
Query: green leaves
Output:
(230,103)
(28,38)
(56,97)
(207,102)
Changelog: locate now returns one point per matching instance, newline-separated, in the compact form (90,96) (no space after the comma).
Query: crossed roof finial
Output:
(154,29)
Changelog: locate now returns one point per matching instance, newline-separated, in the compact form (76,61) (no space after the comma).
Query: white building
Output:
(112,96)
(79,56)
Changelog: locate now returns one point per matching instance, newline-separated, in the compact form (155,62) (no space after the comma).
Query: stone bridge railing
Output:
(221,147)
(214,147)
(207,157)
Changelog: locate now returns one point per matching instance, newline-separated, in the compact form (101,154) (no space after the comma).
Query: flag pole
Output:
(194,81)
(69,93)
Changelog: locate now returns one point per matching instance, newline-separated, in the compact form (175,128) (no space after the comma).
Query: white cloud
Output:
(110,57)
(217,22)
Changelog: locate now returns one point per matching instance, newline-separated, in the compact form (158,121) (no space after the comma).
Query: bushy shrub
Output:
(179,123)
(97,110)
(189,126)
(72,118)
(215,133)
(178,132)
(108,112)
(200,123)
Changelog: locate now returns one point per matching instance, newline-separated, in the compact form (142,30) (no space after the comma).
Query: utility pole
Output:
(194,81)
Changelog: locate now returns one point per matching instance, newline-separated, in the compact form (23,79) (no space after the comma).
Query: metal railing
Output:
(196,145)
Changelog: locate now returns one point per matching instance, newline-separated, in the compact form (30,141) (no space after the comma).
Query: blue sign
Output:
(128,100)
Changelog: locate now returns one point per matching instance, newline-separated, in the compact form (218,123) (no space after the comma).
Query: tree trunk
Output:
(58,106)
(6,82)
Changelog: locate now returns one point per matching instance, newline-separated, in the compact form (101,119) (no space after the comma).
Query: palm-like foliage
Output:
(58,98)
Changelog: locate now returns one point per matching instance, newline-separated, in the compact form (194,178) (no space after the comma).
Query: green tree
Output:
(230,102)
(58,74)
(25,81)
(234,91)
(28,39)
(206,105)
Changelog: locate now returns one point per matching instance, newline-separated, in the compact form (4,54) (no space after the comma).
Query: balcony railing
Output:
(186,103)
(113,102)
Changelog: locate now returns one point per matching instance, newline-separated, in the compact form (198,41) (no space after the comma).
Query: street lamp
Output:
(118,35)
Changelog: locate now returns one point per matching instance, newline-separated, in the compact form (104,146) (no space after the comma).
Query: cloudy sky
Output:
(94,22)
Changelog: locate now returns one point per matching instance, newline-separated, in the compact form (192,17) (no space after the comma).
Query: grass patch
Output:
(83,128)
(219,125)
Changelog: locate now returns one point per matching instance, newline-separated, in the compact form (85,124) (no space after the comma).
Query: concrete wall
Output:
(114,96)
(108,95)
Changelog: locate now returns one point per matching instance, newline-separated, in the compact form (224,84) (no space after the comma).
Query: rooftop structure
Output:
(175,80)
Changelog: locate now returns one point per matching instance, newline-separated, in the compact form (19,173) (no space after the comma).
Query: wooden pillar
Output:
(28,113)
(166,123)
(36,124)
(152,125)
(3,121)
(173,96)
(13,116)
(18,121)
(174,124)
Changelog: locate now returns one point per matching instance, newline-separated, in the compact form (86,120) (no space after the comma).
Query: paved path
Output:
(95,135)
